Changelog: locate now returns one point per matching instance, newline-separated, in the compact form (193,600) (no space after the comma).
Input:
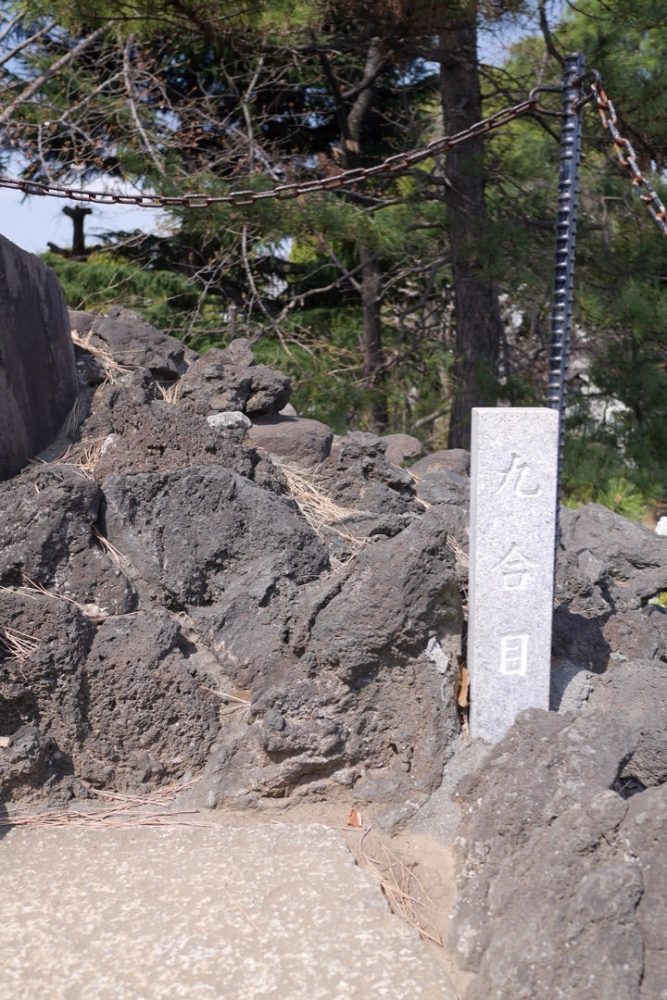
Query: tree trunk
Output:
(77,215)
(374,371)
(351,123)
(477,315)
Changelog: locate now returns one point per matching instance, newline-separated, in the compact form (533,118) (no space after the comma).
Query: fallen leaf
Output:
(463,688)
(354,819)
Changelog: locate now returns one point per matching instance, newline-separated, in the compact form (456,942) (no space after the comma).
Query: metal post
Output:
(566,225)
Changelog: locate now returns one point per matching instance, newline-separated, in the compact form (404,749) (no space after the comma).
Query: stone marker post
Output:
(514,459)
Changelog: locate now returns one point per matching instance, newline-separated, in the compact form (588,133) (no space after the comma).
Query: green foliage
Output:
(594,471)
(622,496)
(287,273)
(108,279)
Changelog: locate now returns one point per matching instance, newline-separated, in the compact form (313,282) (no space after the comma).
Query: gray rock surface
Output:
(136,344)
(608,569)
(230,379)
(48,519)
(272,911)
(564,870)
(233,558)
(358,475)
(401,447)
(229,419)
(112,705)
(353,697)
(38,383)
(297,440)
(449,460)
(141,432)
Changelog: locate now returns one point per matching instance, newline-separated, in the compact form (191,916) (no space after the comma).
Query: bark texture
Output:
(478,323)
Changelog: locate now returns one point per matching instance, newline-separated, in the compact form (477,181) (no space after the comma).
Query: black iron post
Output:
(566,226)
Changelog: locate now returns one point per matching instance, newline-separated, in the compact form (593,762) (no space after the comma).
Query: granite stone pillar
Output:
(512,530)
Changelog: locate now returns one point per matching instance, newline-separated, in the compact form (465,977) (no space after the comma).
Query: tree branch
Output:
(37,84)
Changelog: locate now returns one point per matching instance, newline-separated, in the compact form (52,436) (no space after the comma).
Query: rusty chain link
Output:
(392,165)
(627,156)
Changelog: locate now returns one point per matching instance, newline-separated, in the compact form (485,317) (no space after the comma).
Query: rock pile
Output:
(201,581)
(562,845)
(176,597)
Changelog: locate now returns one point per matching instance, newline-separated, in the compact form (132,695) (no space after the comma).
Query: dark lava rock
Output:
(114,706)
(358,476)
(358,705)
(41,690)
(210,542)
(298,440)
(396,594)
(608,569)
(564,873)
(134,343)
(401,447)
(140,433)
(48,519)
(148,717)
(231,379)
(450,460)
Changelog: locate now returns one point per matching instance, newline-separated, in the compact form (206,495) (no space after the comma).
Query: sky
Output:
(31,222)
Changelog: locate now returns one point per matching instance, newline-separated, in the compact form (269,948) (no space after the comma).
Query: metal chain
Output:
(627,156)
(392,165)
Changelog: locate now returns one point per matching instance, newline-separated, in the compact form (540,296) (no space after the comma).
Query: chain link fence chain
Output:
(627,156)
(392,165)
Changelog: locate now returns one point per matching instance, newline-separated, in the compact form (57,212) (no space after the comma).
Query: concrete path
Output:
(275,910)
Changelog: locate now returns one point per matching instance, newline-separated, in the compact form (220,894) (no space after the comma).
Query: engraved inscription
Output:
(515,568)
(520,477)
(514,654)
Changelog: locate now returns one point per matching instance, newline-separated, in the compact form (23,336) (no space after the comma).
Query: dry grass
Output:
(73,418)
(117,558)
(460,557)
(401,887)
(30,588)
(225,696)
(113,371)
(18,645)
(317,507)
(81,457)
(122,811)
(170,393)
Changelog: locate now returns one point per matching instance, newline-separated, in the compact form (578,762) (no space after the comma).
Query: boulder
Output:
(115,705)
(608,570)
(401,447)
(139,431)
(232,555)
(134,343)
(358,476)
(231,379)
(48,519)
(355,702)
(451,460)
(149,716)
(562,825)
(38,379)
(296,440)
